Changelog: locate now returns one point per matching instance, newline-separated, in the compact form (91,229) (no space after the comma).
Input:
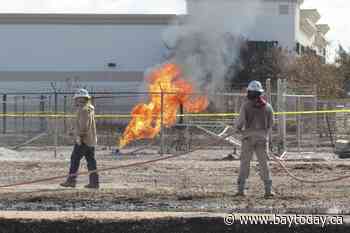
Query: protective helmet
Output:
(255,86)
(81,93)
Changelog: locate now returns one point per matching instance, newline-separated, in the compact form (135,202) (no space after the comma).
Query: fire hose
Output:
(276,158)
(303,180)
(95,171)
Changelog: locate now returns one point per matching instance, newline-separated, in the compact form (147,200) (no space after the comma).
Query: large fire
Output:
(146,118)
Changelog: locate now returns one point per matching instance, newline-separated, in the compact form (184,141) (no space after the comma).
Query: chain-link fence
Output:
(26,115)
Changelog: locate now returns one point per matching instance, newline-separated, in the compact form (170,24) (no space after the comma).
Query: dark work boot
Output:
(268,189)
(93,181)
(69,183)
(240,192)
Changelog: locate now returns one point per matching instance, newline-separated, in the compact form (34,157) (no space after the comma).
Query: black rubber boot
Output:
(268,189)
(69,183)
(240,192)
(93,181)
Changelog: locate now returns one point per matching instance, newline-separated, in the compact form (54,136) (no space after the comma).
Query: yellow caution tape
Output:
(116,116)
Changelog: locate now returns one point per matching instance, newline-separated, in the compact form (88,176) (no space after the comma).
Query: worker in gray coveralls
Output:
(255,122)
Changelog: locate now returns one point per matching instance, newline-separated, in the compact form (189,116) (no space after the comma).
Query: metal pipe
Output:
(4,110)
(161,124)
(299,128)
(56,125)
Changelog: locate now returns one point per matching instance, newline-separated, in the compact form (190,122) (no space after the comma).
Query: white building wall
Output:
(268,24)
(304,39)
(80,47)
(271,26)
(297,22)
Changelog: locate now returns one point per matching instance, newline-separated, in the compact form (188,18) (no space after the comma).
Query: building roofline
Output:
(295,1)
(298,1)
(48,18)
(311,14)
(308,27)
(323,28)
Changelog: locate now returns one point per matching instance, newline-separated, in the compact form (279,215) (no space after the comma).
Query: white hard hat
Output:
(255,86)
(81,93)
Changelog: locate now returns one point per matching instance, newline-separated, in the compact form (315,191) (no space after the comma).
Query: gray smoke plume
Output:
(208,41)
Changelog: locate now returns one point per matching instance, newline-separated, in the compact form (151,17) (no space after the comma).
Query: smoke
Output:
(209,40)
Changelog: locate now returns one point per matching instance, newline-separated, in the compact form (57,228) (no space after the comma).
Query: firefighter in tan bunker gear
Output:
(254,123)
(86,140)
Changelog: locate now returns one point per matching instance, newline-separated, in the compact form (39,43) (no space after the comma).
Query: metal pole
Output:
(269,100)
(56,125)
(23,112)
(42,111)
(162,123)
(324,121)
(65,111)
(269,91)
(279,109)
(299,108)
(315,135)
(16,111)
(284,117)
(4,111)
(281,88)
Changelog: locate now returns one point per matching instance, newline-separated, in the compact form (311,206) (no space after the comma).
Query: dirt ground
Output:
(143,222)
(200,181)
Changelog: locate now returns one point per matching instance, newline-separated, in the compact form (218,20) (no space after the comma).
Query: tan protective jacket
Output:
(85,125)
(255,121)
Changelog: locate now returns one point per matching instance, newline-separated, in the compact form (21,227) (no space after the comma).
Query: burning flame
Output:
(147,118)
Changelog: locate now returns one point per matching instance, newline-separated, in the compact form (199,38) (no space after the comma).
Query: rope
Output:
(94,171)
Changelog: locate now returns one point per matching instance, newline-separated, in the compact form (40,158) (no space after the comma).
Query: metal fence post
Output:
(161,123)
(16,111)
(284,104)
(42,110)
(56,125)
(281,91)
(299,126)
(269,100)
(4,111)
(65,112)
(315,133)
(23,113)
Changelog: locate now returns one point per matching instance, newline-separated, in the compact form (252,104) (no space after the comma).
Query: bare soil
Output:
(191,193)
(200,181)
(142,222)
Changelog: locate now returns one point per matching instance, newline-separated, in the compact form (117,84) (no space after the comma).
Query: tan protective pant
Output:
(259,146)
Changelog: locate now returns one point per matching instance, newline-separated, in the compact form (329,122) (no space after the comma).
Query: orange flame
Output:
(146,118)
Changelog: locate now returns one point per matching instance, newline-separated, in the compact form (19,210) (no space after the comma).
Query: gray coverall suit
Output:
(255,123)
